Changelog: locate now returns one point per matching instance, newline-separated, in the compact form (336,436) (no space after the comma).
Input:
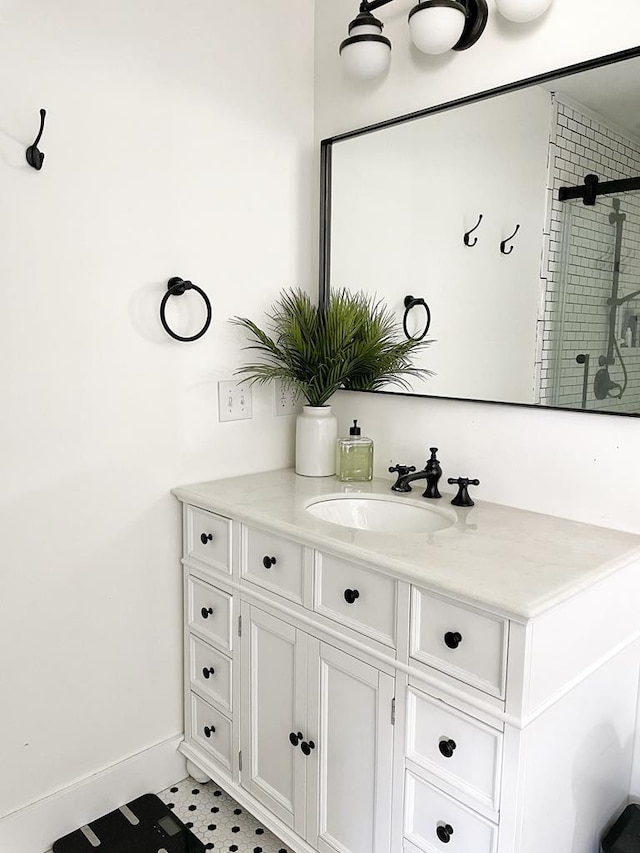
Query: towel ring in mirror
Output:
(409,303)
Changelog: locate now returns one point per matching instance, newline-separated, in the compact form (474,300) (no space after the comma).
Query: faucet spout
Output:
(406,474)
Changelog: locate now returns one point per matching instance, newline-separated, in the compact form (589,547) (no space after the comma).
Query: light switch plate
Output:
(234,401)
(287,400)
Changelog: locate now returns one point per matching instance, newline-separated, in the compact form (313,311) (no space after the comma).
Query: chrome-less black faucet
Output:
(407,474)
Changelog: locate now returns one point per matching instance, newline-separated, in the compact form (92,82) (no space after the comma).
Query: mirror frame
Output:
(326,151)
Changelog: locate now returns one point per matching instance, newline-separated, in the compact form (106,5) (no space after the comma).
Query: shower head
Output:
(603,385)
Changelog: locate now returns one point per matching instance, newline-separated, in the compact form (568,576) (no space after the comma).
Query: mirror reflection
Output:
(475,222)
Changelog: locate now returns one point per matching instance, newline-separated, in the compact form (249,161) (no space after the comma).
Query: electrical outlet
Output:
(286,399)
(234,401)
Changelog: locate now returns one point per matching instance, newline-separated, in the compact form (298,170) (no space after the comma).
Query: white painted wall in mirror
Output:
(401,201)
(581,466)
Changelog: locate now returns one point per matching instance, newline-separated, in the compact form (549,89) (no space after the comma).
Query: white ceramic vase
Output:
(316,437)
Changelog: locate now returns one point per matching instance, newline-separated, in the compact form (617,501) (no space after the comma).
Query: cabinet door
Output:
(274,696)
(350,808)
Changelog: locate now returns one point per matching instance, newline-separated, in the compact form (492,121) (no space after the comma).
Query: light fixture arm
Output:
(370,5)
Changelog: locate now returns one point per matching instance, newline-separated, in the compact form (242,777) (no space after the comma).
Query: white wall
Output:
(178,142)
(580,466)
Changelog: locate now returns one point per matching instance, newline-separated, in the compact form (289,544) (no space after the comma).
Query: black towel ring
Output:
(409,303)
(176,286)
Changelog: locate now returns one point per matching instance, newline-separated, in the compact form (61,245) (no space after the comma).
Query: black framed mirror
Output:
(510,220)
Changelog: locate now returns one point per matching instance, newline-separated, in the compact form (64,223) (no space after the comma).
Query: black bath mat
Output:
(145,825)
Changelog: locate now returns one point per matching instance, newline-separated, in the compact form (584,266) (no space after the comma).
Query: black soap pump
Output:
(355,457)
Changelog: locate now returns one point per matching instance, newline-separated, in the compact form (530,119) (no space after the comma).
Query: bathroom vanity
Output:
(470,687)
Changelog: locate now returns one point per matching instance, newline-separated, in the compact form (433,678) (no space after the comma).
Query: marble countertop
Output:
(515,562)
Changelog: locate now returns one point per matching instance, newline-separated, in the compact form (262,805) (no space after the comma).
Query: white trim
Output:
(34,828)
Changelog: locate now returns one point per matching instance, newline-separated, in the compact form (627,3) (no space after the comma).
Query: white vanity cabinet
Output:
(317,736)
(463,692)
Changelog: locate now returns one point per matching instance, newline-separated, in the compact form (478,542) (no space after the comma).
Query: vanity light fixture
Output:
(436,26)
(522,11)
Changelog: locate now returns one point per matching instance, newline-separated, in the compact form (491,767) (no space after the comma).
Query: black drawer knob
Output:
(209,730)
(452,639)
(267,562)
(206,537)
(444,833)
(307,747)
(206,612)
(350,595)
(208,671)
(295,739)
(447,747)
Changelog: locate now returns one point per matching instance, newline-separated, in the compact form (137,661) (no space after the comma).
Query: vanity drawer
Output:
(454,747)
(211,729)
(357,597)
(468,644)
(436,823)
(208,538)
(209,611)
(210,673)
(274,563)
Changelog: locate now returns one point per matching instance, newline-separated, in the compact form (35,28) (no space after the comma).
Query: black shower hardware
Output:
(409,303)
(593,187)
(34,157)
(177,286)
(603,385)
(468,233)
(583,358)
(504,242)
(462,498)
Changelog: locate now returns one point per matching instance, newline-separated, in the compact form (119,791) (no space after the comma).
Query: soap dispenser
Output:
(355,457)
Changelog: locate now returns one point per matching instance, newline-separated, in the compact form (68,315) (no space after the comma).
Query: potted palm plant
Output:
(353,343)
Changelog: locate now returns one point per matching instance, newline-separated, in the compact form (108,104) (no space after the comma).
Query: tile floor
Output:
(218,820)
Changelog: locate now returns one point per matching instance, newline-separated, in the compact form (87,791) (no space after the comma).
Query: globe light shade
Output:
(522,11)
(436,25)
(366,53)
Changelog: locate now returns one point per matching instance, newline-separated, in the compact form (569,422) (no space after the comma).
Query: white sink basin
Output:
(382,515)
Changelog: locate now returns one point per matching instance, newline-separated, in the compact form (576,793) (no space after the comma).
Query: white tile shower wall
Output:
(579,264)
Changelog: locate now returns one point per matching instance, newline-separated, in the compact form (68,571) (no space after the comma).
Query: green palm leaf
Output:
(355,343)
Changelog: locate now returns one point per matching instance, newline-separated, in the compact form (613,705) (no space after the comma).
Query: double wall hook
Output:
(34,157)
(467,242)
(504,242)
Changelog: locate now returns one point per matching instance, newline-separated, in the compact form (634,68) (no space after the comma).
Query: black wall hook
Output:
(34,157)
(506,240)
(467,242)
(177,286)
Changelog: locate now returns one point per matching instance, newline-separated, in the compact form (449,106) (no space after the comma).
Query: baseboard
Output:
(34,828)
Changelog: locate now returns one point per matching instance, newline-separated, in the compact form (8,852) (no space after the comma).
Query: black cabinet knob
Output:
(206,537)
(295,739)
(206,612)
(447,747)
(209,730)
(208,671)
(452,639)
(350,595)
(444,833)
(267,562)
(307,747)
